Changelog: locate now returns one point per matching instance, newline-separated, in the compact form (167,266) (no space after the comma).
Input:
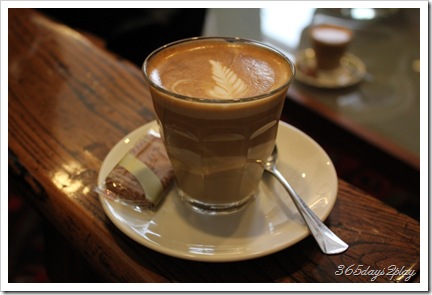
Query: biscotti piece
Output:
(143,175)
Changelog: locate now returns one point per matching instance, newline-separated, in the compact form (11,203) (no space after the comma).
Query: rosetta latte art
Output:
(228,83)
(218,71)
(224,83)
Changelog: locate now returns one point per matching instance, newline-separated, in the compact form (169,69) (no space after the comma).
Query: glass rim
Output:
(218,100)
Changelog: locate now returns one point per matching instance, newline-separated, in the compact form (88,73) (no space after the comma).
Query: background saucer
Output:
(351,71)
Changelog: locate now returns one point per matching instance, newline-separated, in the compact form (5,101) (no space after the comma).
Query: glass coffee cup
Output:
(218,101)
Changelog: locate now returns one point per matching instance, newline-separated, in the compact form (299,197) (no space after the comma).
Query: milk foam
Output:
(228,83)
(331,35)
(219,70)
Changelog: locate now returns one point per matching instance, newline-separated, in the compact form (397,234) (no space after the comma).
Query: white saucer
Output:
(351,71)
(268,224)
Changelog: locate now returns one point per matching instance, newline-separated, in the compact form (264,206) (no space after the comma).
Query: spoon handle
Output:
(326,239)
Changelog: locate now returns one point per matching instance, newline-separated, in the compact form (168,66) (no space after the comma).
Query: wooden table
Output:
(69,103)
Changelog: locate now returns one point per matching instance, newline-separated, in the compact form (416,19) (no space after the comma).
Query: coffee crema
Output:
(225,71)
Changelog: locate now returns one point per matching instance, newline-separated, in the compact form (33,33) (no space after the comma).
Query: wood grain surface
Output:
(70,101)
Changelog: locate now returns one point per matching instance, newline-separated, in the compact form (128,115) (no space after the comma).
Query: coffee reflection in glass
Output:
(218,102)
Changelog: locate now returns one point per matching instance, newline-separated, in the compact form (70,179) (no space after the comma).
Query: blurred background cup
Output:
(330,42)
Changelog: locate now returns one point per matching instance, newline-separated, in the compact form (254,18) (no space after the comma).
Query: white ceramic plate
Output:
(351,71)
(268,224)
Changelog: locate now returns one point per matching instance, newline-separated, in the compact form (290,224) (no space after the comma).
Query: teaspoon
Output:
(326,239)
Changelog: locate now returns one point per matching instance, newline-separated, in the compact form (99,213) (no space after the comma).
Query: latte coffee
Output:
(330,43)
(218,102)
